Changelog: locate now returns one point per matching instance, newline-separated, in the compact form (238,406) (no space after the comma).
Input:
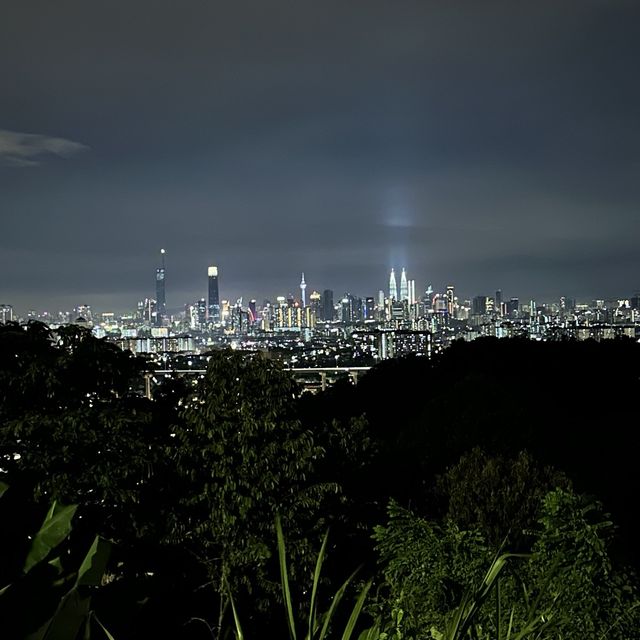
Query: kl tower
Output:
(303,291)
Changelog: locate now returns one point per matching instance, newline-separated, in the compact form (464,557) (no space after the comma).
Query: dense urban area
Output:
(321,329)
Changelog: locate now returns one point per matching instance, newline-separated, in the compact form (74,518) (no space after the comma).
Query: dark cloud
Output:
(28,149)
(482,143)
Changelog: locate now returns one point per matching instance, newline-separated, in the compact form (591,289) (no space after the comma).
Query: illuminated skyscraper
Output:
(393,286)
(451,301)
(253,311)
(214,296)
(201,306)
(512,307)
(351,309)
(303,291)
(161,304)
(369,306)
(315,300)
(404,287)
(83,311)
(6,313)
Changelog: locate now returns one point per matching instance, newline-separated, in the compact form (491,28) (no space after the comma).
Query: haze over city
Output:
(489,145)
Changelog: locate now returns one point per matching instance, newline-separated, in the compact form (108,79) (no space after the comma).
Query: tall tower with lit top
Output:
(303,291)
(161,301)
(213,309)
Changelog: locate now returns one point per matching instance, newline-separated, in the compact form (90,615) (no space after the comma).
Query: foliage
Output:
(75,429)
(570,405)
(528,622)
(427,567)
(72,427)
(567,586)
(498,495)
(597,598)
(243,456)
(48,599)
(189,483)
(316,626)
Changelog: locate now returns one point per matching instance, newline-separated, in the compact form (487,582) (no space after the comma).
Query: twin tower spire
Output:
(405,287)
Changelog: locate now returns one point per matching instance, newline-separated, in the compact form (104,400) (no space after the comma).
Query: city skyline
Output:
(485,144)
(210,293)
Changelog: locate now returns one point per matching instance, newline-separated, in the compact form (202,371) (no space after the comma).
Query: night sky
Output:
(484,144)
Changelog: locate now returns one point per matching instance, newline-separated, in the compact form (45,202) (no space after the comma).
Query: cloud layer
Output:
(28,149)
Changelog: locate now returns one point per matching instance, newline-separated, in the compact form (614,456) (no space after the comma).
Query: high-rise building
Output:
(412,291)
(253,311)
(327,305)
(147,310)
(351,309)
(214,296)
(266,323)
(225,311)
(315,300)
(201,307)
(83,312)
(6,313)
(428,299)
(369,308)
(479,305)
(303,291)
(345,310)
(191,316)
(239,318)
(287,316)
(512,307)
(440,303)
(309,317)
(161,301)
(451,300)
(393,286)
(404,287)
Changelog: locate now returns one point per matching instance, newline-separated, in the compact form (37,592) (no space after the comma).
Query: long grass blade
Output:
(466,612)
(498,610)
(455,624)
(284,579)
(373,633)
(104,629)
(314,590)
(355,613)
(513,611)
(236,618)
(328,616)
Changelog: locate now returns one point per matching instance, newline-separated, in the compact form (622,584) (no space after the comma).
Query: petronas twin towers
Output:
(407,287)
